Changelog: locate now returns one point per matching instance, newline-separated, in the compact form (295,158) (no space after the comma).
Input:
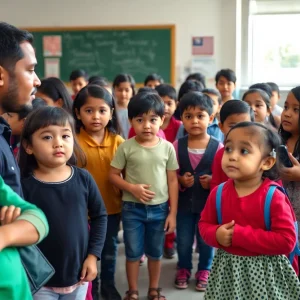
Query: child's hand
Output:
(142,192)
(89,269)
(205,181)
(186,180)
(170,224)
(9,214)
(293,173)
(224,234)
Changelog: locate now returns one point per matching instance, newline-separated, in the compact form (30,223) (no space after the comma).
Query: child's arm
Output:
(208,223)
(98,224)
(140,191)
(29,228)
(170,224)
(282,237)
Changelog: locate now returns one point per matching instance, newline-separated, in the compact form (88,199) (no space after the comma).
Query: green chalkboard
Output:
(137,50)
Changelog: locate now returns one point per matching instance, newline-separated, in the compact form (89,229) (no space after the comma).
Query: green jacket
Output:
(13,279)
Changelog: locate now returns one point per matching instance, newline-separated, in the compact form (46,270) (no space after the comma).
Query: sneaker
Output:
(142,259)
(201,280)
(169,253)
(109,291)
(182,278)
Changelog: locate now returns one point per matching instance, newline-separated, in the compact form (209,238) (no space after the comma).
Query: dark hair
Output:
(41,118)
(266,98)
(227,73)
(22,114)
(166,90)
(146,89)
(196,99)
(274,87)
(142,103)
(197,77)
(95,91)
(77,74)
(55,89)
(96,78)
(235,107)
(124,78)
(189,86)
(262,86)
(269,138)
(38,102)
(153,77)
(213,92)
(285,134)
(10,50)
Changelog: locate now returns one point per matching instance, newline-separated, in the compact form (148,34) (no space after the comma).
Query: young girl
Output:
(259,101)
(153,80)
(231,113)
(289,131)
(195,154)
(53,91)
(66,194)
(123,90)
(251,262)
(97,129)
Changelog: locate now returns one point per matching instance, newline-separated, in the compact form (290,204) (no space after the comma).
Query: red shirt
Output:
(250,236)
(218,175)
(159,134)
(172,129)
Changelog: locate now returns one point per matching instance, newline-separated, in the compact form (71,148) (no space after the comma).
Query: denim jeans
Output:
(187,227)
(144,229)
(110,251)
(48,294)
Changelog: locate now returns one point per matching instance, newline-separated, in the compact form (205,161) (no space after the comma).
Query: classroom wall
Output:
(192,18)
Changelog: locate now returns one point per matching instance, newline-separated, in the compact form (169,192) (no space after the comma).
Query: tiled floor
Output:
(167,279)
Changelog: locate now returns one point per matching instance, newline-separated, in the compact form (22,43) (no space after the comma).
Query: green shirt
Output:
(13,279)
(146,165)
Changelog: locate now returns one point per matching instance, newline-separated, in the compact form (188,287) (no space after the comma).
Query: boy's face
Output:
(196,121)
(274,99)
(225,87)
(15,124)
(215,101)
(78,84)
(233,120)
(146,126)
(170,107)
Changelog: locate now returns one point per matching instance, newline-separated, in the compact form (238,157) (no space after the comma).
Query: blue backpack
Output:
(267,216)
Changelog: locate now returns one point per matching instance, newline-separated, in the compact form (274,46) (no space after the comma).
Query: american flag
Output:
(203,45)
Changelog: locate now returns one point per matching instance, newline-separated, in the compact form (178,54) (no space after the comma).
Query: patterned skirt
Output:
(266,277)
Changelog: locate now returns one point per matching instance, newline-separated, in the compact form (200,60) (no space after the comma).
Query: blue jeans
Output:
(47,294)
(110,251)
(144,229)
(187,227)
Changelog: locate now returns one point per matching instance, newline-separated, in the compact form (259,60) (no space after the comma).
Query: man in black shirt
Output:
(18,83)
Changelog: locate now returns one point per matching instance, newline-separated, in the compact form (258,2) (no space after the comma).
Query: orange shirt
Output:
(99,157)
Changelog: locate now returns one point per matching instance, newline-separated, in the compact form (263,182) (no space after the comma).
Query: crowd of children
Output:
(155,161)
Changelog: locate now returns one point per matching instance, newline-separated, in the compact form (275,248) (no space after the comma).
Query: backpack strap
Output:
(219,202)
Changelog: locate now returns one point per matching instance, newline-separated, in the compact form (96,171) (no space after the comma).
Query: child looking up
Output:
(150,180)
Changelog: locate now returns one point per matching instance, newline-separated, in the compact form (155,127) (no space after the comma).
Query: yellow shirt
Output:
(99,157)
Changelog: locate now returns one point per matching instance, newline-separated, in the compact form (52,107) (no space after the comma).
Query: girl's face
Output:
(123,92)
(152,84)
(49,101)
(52,146)
(290,115)
(94,115)
(243,158)
(256,102)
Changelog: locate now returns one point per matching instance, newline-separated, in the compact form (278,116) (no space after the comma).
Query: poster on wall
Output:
(52,45)
(52,67)
(202,45)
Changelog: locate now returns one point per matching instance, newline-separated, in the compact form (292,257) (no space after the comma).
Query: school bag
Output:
(267,217)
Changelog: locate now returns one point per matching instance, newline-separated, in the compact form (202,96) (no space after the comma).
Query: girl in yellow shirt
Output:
(97,133)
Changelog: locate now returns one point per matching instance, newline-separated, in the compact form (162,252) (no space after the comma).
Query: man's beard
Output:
(9,102)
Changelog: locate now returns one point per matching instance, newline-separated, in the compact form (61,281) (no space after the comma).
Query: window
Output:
(274,44)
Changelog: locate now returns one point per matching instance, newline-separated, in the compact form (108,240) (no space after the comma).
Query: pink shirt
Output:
(250,236)
(172,129)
